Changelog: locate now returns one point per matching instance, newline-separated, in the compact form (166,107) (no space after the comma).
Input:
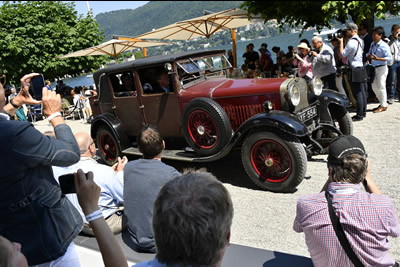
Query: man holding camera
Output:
(394,64)
(323,63)
(33,211)
(365,218)
(354,54)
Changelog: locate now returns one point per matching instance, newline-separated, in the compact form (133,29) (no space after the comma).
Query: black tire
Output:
(107,145)
(345,124)
(341,122)
(206,126)
(264,153)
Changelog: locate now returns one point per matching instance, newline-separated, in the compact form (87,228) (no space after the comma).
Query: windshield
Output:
(193,69)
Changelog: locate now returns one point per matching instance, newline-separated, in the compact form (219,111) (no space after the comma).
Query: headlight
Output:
(316,86)
(294,94)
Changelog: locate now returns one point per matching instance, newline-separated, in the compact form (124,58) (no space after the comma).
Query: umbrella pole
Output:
(234,48)
(144,51)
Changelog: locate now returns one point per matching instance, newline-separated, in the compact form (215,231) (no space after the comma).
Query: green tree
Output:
(35,33)
(320,14)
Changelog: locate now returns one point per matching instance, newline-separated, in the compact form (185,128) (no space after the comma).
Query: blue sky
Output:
(106,6)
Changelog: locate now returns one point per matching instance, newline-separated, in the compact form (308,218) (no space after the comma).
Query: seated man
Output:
(367,218)
(111,184)
(192,222)
(128,87)
(162,85)
(143,179)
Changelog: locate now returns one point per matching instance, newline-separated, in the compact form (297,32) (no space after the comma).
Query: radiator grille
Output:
(238,114)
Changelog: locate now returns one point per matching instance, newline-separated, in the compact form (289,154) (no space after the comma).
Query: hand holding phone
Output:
(67,183)
(36,86)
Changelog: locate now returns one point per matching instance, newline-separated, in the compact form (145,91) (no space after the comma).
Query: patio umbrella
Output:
(203,26)
(113,48)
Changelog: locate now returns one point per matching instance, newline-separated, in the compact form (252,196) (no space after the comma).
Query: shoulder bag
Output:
(358,75)
(341,235)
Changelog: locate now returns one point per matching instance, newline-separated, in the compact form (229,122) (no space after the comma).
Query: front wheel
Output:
(342,122)
(274,163)
(107,145)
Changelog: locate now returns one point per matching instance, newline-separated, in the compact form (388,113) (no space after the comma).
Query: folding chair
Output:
(70,111)
(35,112)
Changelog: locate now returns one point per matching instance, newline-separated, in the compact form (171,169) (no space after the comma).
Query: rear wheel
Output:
(206,126)
(107,144)
(274,163)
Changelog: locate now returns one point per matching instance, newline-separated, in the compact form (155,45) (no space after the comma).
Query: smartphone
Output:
(36,87)
(67,183)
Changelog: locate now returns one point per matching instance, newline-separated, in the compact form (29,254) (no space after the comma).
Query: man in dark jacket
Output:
(33,211)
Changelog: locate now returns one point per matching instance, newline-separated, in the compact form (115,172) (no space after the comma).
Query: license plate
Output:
(307,114)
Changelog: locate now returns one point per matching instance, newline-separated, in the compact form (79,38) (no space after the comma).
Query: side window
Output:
(123,84)
(155,81)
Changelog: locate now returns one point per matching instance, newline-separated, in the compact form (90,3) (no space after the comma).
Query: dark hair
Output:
(126,74)
(150,142)
(305,41)
(192,217)
(379,30)
(395,27)
(363,25)
(353,170)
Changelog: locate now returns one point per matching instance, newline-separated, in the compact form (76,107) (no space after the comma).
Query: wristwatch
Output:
(13,104)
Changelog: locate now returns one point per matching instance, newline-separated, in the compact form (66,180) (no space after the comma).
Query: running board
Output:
(180,155)
(183,155)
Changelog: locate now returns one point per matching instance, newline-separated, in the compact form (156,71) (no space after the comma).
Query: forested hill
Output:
(156,14)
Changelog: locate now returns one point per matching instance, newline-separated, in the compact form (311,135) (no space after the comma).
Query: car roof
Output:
(155,60)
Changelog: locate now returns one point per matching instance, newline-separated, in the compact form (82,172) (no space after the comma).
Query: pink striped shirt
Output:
(305,68)
(367,220)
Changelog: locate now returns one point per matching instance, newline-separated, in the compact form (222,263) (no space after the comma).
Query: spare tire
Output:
(206,126)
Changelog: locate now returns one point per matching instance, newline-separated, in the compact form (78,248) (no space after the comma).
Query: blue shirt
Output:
(111,184)
(355,59)
(381,50)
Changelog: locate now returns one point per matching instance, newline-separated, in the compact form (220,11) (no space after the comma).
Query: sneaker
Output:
(390,101)
(356,118)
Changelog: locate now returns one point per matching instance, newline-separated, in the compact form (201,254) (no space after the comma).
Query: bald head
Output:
(84,142)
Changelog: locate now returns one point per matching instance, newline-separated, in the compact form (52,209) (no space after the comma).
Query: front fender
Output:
(114,125)
(275,119)
(331,100)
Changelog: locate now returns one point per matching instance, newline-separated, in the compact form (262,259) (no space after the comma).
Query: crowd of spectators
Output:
(339,62)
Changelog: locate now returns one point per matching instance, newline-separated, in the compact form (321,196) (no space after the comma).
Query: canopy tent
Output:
(113,48)
(203,26)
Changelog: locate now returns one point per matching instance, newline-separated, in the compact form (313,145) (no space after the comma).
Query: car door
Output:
(127,104)
(162,110)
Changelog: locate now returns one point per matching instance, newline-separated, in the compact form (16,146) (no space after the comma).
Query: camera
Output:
(313,50)
(337,34)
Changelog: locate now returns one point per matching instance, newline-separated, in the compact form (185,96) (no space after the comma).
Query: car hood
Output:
(222,87)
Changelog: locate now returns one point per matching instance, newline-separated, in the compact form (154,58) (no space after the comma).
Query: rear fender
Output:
(114,125)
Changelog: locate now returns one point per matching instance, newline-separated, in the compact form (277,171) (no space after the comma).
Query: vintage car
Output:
(276,123)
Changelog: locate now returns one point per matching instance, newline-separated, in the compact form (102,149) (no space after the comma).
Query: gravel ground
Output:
(264,219)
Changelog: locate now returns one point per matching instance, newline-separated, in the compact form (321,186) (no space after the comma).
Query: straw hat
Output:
(303,45)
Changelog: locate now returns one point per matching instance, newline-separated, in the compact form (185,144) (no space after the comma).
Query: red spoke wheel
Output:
(274,163)
(108,146)
(206,126)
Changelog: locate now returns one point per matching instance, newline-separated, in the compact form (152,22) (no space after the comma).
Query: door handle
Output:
(113,107)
